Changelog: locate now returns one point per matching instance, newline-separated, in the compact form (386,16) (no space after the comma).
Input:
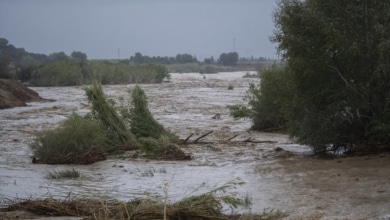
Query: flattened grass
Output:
(200,207)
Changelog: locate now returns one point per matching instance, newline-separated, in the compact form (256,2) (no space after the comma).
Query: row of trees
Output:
(74,72)
(20,58)
(138,58)
(228,59)
(334,90)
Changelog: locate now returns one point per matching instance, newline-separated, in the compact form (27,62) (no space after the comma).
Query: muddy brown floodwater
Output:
(305,188)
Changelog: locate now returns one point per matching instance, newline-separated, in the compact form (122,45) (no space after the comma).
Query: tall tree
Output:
(77,55)
(229,59)
(338,53)
(58,56)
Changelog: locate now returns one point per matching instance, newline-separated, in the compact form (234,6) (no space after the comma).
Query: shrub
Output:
(75,135)
(269,102)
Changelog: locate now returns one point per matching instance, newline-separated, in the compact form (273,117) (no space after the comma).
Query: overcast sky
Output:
(101,29)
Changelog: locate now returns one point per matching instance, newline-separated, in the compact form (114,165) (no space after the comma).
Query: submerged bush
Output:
(75,135)
(141,120)
(106,113)
(269,102)
(84,140)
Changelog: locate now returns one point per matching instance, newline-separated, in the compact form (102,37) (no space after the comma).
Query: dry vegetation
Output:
(205,206)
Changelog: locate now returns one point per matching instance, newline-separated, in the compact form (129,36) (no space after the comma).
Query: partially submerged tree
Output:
(335,89)
(268,102)
(105,112)
(338,58)
(141,120)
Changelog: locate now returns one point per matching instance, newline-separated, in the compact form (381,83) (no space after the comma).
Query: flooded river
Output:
(303,187)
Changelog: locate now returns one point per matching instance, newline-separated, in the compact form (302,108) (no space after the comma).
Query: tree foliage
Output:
(141,120)
(229,59)
(58,56)
(77,55)
(338,57)
(138,58)
(269,103)
(65,73)
(75,135)
(105,112)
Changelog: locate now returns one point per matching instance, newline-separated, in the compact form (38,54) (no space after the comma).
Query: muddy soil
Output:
(14,94)
(288,180)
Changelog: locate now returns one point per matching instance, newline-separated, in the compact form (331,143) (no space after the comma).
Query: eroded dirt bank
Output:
(306,188)
(14,94)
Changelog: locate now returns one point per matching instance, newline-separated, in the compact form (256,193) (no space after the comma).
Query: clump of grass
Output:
(64,174)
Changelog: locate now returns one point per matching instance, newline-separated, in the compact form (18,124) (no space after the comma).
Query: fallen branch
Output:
(233,137)
(195,141)
(259,142)
(185,141)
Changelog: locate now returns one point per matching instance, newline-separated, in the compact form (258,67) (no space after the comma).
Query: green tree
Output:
(229,59)
(268,102)
(3,42)
(138,58)
(77,55)
(185,58)
(4,68)
(338,55)
(58,56)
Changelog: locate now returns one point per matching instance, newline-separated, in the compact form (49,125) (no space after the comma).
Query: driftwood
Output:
(259,142)
(196,141)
